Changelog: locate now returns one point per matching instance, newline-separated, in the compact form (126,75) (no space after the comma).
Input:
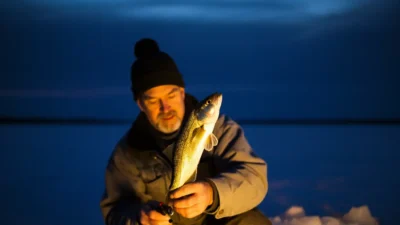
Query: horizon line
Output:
(36,120)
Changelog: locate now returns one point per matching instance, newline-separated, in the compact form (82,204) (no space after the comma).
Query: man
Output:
(231,179)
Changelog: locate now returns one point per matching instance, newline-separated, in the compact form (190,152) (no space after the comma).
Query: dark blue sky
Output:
(277,59)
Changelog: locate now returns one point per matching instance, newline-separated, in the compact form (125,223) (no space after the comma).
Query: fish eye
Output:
(208,102)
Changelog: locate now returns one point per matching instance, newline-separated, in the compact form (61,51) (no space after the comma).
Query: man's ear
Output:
(182,92)
(139,102)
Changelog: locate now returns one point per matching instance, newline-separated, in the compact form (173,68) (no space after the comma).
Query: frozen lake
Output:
(53,175)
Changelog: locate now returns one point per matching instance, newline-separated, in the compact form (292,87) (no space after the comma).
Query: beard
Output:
(168,122)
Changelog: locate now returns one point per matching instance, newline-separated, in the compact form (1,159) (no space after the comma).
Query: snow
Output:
(296,215)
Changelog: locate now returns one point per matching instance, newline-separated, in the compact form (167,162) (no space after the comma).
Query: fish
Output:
(195,137)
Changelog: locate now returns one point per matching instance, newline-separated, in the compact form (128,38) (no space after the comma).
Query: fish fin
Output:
(212,141)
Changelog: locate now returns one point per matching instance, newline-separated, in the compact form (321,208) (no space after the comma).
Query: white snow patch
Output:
(295,211)
(296,215)
(361,215)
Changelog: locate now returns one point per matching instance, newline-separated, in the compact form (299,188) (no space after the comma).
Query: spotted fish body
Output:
(195,137)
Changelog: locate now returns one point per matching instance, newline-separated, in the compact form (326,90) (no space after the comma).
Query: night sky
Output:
(312,59)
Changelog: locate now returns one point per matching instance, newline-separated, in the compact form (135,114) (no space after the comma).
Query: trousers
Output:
(251,217)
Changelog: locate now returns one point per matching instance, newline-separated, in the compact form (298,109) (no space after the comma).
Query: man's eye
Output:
(172,96)
(152,102)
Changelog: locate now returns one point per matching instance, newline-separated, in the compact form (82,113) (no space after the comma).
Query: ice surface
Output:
(296,215)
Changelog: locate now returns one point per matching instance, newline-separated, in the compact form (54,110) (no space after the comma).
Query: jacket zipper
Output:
(168,175)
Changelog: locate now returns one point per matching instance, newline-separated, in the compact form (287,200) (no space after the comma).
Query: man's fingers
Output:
(189,212)
(186,202)
(186,189)
(159,222)
(154,215)
(144,219)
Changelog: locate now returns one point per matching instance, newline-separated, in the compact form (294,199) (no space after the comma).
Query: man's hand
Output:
(150,216)
(192,199)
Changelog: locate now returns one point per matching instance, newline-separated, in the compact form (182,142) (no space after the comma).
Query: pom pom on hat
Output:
(145,48)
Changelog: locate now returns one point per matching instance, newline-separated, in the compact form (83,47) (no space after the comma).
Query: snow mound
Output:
(296,215)
(360,215)
(295,211)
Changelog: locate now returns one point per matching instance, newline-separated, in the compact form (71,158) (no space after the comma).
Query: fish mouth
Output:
(215,98)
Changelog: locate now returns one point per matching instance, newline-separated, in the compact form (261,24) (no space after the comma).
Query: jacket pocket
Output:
(156,180)
(152,172)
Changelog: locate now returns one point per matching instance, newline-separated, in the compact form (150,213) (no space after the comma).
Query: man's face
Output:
(164,107)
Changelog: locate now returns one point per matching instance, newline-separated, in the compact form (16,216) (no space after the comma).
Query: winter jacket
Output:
(140,168)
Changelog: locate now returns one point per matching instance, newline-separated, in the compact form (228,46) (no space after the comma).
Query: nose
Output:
(165,107)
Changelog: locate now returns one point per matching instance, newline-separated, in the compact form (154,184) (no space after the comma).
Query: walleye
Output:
(195,136)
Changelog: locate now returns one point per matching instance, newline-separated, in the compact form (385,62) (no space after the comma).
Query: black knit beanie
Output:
(152,68)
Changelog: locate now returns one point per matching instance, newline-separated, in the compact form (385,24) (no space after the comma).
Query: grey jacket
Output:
(138,171)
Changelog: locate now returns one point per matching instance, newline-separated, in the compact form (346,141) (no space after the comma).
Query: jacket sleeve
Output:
(241,181)
(124,191)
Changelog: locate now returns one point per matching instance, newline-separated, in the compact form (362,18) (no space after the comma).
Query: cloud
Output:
(308,18)
(367,15)
(226,11)
(217,13)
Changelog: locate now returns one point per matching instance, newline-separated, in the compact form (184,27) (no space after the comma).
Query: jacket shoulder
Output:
(120,156)
(225,122)
(121,146)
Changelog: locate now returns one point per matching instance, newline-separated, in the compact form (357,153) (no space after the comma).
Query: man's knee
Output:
(251,217)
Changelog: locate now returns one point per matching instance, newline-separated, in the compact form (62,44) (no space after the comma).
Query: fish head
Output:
(209,108)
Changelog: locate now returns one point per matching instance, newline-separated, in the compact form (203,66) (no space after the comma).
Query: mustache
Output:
(166,115)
